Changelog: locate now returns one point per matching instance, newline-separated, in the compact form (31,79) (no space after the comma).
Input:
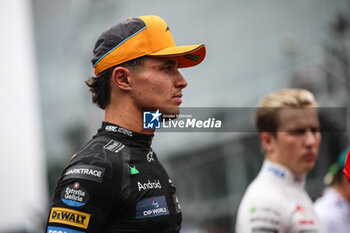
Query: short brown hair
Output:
(100,86)
(267,114)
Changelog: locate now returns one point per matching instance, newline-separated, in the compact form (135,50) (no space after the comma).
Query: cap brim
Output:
(188,55)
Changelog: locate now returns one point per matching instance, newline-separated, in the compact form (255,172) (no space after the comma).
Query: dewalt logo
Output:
(69,217)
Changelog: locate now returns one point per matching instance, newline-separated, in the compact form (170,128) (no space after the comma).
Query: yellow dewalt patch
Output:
(69,217)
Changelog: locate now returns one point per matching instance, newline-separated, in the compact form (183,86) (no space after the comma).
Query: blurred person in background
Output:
(346,169)
(333,208)
(276,200)
(116,183)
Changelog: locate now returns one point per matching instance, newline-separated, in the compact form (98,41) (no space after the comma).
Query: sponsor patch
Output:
(267,220)
(51,229)
(151,207)
(264,230)
(133,170)
(306,222)
(254,209)
(171,183)
(87,172)
(118,129)
(308,231)
(150,156)
(74,195)
(177,204)
(300,209)
(69,217)
(114,146)
(276,171)
(149,185)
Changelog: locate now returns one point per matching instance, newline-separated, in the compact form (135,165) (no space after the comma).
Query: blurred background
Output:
(253,48)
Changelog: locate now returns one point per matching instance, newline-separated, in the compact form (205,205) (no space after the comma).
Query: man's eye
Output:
(167,68)
(297,131)
(315,130)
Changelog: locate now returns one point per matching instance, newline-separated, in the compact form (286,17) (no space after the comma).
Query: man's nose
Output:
(311,138)
(180,81)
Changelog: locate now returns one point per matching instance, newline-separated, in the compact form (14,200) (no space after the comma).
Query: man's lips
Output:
(177,98)
(310,156)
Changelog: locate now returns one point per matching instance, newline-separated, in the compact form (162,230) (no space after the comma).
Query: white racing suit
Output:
(276,202)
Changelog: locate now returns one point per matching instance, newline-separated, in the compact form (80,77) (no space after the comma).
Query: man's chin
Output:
(309,166)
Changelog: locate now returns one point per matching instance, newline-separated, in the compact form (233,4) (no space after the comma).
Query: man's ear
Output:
(267,141)
(120,78)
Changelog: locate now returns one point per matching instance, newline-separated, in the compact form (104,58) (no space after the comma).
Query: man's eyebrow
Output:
(166,63)
(171,62)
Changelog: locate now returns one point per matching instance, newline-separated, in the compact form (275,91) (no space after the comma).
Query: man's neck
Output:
(275,159)
(126,117)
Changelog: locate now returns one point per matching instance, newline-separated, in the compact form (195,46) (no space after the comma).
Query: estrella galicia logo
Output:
(151,119)
(151,207)
(74,195)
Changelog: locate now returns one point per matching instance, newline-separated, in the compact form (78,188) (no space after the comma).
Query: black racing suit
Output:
(115,184)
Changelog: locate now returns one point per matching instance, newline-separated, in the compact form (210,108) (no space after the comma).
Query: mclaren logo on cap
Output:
(192,57)
(167,28)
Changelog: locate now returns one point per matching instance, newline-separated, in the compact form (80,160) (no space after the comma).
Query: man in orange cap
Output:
(115,183)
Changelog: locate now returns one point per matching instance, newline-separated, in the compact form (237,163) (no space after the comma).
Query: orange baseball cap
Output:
(137,37)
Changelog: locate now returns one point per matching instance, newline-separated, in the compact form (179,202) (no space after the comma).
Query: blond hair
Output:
(267,114)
